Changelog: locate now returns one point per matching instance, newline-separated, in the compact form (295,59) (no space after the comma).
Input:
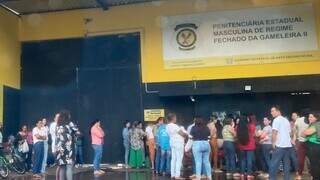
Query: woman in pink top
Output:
(97,136)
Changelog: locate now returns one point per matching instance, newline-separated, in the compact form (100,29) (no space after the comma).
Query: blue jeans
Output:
(158,158)
(79,155)
(45,156)
(203,170)
(294,159)
(165,161)
(246,161)
(229,156)
(201,152)
(97,156)
(266,156)
(279,154)
(38,149)
(126,153)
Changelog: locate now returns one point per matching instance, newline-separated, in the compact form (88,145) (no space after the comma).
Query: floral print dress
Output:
(64,145)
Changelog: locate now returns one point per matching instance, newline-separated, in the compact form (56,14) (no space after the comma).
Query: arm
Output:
(309,131)
(274,138)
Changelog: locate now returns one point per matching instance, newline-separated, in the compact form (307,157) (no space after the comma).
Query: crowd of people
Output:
(50,145)
(244,145)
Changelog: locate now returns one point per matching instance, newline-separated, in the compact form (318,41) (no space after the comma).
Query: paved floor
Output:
(87,174)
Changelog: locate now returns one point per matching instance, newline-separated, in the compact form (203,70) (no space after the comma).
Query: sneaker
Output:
(266,175)
(250,177)
(179,178)
(102,172)
(97,173)
(218,171)
(193,176)
(203,177)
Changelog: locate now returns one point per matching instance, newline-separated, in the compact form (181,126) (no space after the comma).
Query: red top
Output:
(251,144)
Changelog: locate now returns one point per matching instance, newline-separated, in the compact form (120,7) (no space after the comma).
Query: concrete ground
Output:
(112,173)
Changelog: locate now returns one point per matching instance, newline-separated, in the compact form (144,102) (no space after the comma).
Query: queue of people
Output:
(248,147)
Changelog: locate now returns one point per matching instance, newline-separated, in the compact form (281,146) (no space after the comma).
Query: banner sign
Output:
(236,37)
(153,114)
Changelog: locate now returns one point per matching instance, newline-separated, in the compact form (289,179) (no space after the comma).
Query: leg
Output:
(301,152)
(266,150)
(132,158)
(250,156)
(151,152)
(38,156)
(163,157)
(139,158)
(126,153)
(196,151)
(173,161)
(215,151)
(100,151)
(226,155)
(205,158)
(233,157)
(168,161)
(97,157)
(80,155)
(179,157)
(242,162)
(69,171)
(293,158)
(286,163)
(275,162)
(158,158)
(45,156)
(62,172)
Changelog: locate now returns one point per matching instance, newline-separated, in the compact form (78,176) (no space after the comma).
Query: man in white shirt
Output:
(52,131)
(45,143)
(177,135)
(281,143)
(39,136)
(300,126)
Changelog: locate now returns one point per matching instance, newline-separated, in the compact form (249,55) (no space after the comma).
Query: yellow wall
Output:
(146,19)
(9,50)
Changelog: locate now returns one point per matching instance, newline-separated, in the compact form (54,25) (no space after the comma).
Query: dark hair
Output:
(199,122)
(277,107)
(159,119)
(316,114)
(92,124)
(228,121)
(135,124)
(252,118)
(243,130)
(125,123)
(296,112)
(171,116)
(64,117)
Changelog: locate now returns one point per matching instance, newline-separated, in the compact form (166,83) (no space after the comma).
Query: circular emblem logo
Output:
(186,38)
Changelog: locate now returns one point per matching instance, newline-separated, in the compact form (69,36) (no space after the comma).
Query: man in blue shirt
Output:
(164,143)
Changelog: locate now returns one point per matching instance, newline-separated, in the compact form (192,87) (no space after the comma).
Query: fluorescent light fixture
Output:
(9,9)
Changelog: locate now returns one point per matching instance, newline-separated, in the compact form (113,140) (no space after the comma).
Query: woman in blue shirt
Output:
(126,141)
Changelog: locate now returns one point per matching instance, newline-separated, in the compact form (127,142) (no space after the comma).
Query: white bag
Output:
(24,147)
(188,146)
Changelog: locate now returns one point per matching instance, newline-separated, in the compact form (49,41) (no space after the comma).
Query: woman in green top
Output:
(313,144)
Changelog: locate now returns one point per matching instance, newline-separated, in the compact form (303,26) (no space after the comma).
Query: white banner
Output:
(239,36)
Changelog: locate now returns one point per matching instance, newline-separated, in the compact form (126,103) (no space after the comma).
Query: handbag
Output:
(24,147)
(188,146)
